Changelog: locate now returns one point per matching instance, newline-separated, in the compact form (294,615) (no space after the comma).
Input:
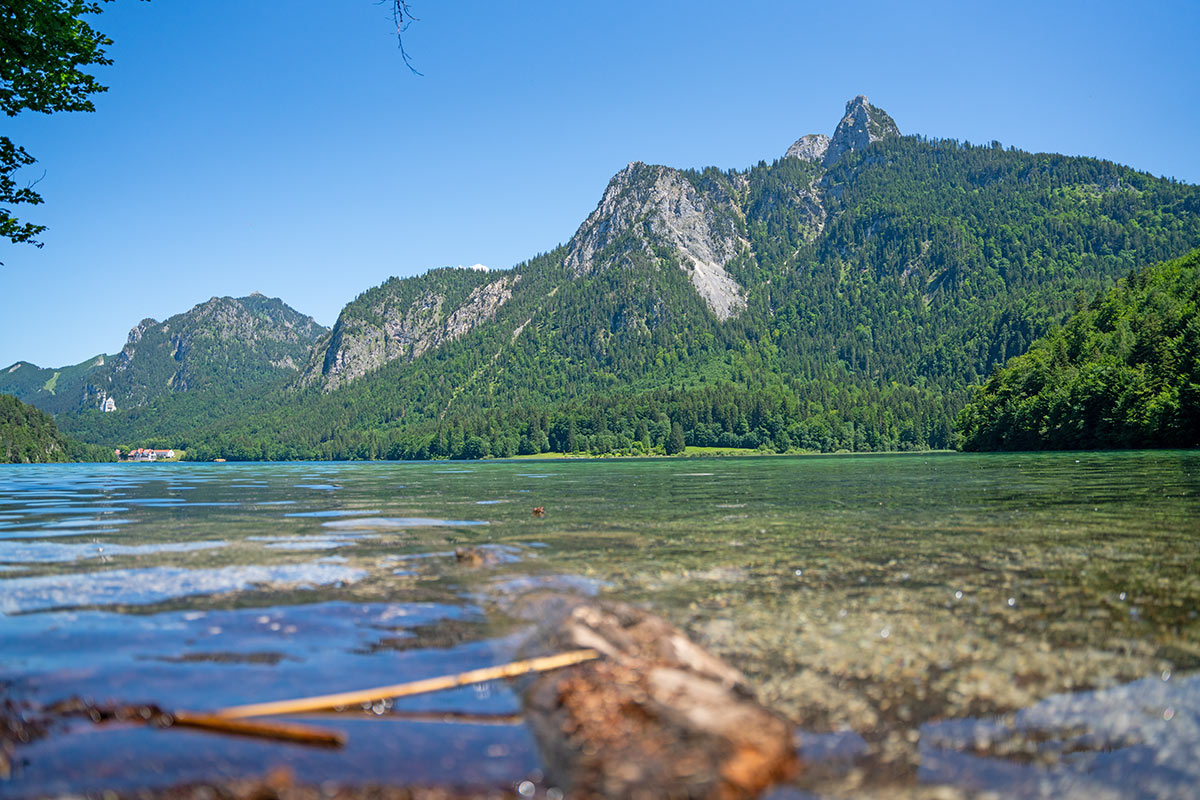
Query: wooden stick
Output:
(328,701)
(460,717)
(268,730)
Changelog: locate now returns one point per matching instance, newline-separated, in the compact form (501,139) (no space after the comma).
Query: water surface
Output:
(1024,624)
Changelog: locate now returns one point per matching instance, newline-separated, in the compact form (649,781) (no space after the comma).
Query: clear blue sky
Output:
(283,147)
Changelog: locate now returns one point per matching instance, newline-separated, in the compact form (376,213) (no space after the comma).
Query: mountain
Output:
(844,296)
(29,436)
(404,320)
(223,345)
(1123,372)
(50,389)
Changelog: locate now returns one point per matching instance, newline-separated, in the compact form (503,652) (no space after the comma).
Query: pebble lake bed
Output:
(934,625)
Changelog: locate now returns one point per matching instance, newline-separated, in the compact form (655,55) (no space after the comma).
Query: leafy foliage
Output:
(45,47)
(1123,372)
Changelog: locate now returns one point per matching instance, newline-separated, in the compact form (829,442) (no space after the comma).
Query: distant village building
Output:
(147,454)
(109,405)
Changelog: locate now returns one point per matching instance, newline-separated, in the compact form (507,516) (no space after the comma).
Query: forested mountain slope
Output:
(51,389)
(1123,372)
(225,346)
(844,296)
(28,436)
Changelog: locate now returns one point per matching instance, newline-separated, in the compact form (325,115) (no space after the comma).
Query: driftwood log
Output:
(656,717)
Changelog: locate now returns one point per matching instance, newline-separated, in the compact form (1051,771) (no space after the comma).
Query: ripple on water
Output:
(330,542)
(55,552)
(42,533)
(156,584)
(402,522)
(338,513)
(81,522)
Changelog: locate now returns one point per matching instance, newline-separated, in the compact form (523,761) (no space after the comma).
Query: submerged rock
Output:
(656,717)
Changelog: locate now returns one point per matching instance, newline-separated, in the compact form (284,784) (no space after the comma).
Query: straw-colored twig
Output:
(328,701)
(458,717)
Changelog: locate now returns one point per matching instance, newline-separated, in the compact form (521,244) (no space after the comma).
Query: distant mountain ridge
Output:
(844,296)
(225,343)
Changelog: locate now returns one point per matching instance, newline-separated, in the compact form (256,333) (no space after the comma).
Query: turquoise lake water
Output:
(1021,623)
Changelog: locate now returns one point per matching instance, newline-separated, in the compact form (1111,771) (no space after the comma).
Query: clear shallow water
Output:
(999,622)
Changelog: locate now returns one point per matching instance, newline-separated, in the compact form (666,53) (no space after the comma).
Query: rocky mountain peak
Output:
(861,125)
(648,206)
(811,147)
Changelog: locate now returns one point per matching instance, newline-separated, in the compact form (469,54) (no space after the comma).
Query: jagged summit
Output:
(861,125)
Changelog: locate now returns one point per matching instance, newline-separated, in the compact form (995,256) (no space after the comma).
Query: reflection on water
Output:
(935,624)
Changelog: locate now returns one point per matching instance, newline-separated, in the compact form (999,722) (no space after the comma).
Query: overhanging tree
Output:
(45,48)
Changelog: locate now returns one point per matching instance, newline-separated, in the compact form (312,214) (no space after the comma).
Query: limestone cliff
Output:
(404,319)
(862,124)
(811,147)
(645,207)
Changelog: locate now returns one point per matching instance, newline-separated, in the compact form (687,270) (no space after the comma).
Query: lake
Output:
(934,624)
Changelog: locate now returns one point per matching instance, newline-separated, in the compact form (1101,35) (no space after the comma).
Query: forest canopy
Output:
(1123,372)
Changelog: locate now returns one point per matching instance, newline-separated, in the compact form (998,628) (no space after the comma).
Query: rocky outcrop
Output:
(645,207)
(862,124)
(386,325)
(811,147)
(656,716)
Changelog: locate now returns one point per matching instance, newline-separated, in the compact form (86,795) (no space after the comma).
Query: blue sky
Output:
(283,147)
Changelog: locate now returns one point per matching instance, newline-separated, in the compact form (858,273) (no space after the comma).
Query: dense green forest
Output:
(1123,372)
(29,436)
(876,291)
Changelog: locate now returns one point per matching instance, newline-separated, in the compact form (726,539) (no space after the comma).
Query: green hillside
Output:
(51,389)
(29,436)
(1123,372)
(221,349)
(839,298)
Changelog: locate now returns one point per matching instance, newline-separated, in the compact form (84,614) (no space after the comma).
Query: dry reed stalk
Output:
(330,701)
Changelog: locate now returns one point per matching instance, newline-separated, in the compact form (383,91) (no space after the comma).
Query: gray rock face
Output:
(391,329)
(861,125)
(659,206)
(811,147)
